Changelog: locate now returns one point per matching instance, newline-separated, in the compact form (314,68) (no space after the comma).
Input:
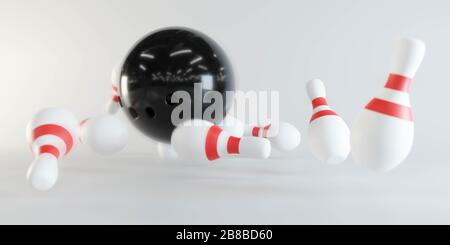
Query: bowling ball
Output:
(169,60)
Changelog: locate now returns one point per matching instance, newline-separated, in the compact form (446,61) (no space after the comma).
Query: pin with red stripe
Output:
(51,134)
(382,135)
(114,103)
(267,131)
(328,134)
(283,136)
(202,140)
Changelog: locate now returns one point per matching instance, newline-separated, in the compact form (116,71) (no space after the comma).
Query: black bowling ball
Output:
(166,61)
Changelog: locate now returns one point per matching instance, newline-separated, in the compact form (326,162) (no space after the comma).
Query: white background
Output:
(60,53)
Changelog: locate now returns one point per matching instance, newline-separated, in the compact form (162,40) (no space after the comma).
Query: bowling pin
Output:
(51,133)
(202,140)
(114,104)
(104,134)
(283,136)
(328,134)
(382,135)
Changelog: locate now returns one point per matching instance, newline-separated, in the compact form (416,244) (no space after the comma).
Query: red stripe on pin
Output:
(49,149)
(319,101)
(265,131)
(56,130)
(211,143)
(398,82)
(391,109)
(322,114)
(83,121)
(233,145)
(255,132)
(115,98)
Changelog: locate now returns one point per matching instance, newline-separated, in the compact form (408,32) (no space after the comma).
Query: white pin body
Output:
(287,138)
(43,172)
(380,142)
(104,134)
(394,96)
(251,147)
(329,139)
(189,141)
(329,135)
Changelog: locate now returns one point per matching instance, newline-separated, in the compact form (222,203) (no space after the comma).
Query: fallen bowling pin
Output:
(283,136)
(104,134)
(51,133)
(113,105)
(382,135)
(328,134)
(202,140)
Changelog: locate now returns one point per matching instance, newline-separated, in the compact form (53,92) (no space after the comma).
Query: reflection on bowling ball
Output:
(166,61)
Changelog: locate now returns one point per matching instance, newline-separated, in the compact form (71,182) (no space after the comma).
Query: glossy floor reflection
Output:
(282,190)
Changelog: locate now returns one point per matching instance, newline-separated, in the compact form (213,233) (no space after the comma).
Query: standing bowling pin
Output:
(382,135)
(51,134)
(328,134)
(114,103)
(202,140)
(104,134)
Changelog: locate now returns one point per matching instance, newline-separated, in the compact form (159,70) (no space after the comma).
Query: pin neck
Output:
(56,130)
(398,82)
(319,101)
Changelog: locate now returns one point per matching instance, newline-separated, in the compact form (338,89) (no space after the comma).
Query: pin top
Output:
(407,56)
(315,89)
